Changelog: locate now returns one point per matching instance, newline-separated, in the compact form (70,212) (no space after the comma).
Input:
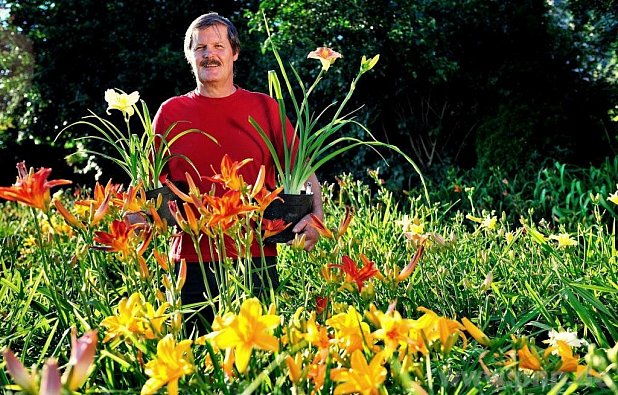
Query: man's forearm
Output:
(318,210)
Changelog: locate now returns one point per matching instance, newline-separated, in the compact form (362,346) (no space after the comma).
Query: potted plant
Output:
(142,156)
(315,141)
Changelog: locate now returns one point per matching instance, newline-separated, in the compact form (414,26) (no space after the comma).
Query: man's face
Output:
(213,58)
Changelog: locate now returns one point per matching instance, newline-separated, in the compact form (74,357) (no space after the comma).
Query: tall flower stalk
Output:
(314,142)
(142,156)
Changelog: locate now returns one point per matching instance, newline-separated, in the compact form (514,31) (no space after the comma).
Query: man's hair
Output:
(208,20)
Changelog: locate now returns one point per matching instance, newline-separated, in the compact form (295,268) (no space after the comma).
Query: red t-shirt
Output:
(227,120)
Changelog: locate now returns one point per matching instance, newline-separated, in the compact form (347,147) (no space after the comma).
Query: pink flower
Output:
(325,55)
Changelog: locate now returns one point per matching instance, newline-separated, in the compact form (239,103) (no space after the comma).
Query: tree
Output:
(83,47)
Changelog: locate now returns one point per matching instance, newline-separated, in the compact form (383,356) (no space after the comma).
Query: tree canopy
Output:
(470,83)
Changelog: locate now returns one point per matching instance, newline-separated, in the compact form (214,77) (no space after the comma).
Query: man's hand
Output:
(136,218)
(304,227)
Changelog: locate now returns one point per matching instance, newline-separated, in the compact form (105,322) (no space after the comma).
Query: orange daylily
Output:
(31,189)
(345,222)
(226,209)
(353,273)
(320,227)
(99,204)
(264,197)
(132,201)
(229,175)
(273,227)
(194,195)
(68,216)
(569,362)
(529,359)
(120,237)
(325,55)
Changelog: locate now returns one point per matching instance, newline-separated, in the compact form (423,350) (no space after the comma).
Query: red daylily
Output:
(356,274)
(321,303)
(31,189)
(118,240)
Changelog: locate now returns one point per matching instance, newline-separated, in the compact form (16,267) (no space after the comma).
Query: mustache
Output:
(210,62)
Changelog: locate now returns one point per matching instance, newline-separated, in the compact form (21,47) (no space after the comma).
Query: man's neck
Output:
(216,91)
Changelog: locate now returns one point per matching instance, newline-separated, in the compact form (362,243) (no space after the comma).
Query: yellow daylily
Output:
(613,197)
(435,327)
(564,240)
(248,330)
(350,330)
(361,377)
(154,320)
(173,361)
(128,319)
(489,222)
(393,330)
(121,101)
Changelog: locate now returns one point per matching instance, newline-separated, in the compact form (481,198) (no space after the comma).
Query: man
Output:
(220,108)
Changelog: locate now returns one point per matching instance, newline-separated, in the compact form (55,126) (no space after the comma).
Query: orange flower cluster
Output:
(204,213)
(31,189)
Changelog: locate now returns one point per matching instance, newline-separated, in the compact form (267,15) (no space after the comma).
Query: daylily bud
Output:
(407,271)
(50,379)
(68,217)
(487,282)
(166,282)
(294,367)
(475,332)
(299,242)
(82,356)
(19,374)
(367,65)
(182,275)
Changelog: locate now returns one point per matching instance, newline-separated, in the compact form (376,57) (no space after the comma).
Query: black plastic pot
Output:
(291,210)
(166,196)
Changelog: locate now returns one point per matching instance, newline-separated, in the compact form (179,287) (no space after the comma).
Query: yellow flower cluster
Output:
(135,318)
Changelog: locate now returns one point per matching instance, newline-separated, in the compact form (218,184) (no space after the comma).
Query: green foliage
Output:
(511,277)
